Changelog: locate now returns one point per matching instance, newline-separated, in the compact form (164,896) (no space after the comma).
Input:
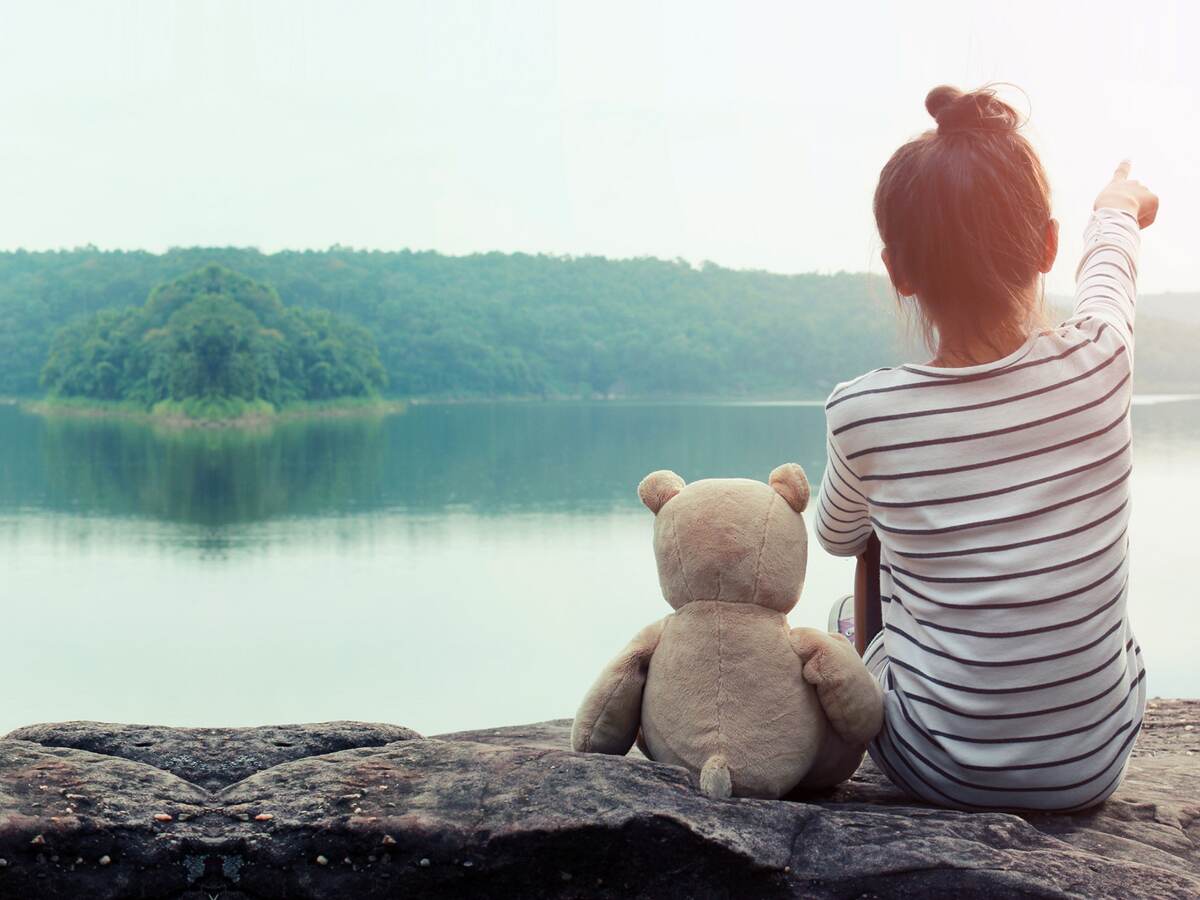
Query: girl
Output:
(995,479)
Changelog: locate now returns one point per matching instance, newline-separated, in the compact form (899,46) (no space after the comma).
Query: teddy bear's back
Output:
(725,680)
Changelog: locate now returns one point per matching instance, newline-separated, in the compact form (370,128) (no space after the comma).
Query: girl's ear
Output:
(1051,251)
(791,484)
(659,487)
(903,288)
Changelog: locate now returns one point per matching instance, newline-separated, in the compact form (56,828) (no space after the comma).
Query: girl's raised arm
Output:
(1106,280)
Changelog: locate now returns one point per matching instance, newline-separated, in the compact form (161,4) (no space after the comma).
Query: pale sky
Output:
(747,133)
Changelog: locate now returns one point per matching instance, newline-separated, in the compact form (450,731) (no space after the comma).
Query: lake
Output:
(447,567)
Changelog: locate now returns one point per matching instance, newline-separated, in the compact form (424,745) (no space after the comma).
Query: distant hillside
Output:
(497,325)
(1170,307)
(1174,307)
(1168,342)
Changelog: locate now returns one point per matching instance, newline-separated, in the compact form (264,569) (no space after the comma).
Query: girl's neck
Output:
(976,351)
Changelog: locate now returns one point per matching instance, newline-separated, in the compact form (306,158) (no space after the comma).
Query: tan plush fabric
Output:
(723,686)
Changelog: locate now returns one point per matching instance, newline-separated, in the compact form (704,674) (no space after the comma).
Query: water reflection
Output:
(484,458)
(448,568)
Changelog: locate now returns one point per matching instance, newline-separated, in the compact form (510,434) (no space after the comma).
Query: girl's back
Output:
(1000,495)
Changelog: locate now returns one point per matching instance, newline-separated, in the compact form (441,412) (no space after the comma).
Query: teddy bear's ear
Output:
(791,484)
(659,487)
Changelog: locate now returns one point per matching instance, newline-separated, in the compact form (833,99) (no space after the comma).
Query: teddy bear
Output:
(723,685)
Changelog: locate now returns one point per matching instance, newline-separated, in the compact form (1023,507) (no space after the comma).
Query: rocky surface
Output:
(213,758)
(363,810)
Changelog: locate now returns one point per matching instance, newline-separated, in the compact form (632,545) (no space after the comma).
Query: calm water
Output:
(449,567)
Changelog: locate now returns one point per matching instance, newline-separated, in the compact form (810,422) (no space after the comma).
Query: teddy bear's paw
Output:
(827,658)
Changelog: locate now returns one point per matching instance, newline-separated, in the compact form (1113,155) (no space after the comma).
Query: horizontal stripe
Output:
(1016,604)
(995,432)
(1004,520)
(822,507)
(852,382)
(1024,767)
(960,379)
(1020,689)
(1016,457)
(1000,663)
(1023,632)
(1010,576)
(1006,489)
(1025,789)
(998,548)
(1028,714)
(1036,738)
(826,527)
(984,404)
(849,542)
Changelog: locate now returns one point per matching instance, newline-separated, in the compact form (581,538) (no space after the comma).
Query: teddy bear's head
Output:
(730,539)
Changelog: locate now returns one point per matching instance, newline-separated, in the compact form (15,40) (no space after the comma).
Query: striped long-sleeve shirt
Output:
(1000,496)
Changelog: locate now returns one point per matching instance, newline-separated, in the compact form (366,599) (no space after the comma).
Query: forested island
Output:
(212,345)
(513,325)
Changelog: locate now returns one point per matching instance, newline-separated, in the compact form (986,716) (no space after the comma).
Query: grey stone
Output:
(212,757)
(511,812)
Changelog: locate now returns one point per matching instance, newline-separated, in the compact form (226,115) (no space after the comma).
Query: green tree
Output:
(213,341)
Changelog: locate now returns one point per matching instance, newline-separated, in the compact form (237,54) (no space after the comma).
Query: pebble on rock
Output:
(388,839)
(263,817)
(424,863)
(162,817)
(322,861)
(104,860)
(38,841)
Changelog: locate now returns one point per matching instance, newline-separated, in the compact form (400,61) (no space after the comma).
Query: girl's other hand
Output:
(1132,196)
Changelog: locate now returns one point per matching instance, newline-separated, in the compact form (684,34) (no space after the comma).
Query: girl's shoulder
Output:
(1049,356)
(871,384)
(867,379)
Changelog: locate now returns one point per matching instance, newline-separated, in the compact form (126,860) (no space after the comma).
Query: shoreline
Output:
(45,407)
(249,420)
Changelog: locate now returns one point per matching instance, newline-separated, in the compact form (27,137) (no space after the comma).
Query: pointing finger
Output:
(1122,170)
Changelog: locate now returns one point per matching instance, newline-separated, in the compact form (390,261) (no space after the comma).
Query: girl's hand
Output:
(1131,196)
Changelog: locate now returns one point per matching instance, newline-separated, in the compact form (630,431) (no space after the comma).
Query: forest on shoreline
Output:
(211,345)
(522,326)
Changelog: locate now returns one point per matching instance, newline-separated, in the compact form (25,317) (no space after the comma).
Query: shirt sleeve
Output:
(843,519)
(1106,280)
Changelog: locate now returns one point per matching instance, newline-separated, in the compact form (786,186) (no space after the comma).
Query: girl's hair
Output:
(963,211)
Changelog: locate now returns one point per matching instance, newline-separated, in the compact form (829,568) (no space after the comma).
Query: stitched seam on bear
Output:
(720,677)
(679,555)
(762,545)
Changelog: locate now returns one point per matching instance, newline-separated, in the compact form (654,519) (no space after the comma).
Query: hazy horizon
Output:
(749,136)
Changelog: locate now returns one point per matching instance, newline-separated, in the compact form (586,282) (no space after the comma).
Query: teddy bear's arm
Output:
(850,696)
(611,712)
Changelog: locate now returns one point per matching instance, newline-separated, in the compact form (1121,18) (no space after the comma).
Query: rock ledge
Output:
(350,809)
